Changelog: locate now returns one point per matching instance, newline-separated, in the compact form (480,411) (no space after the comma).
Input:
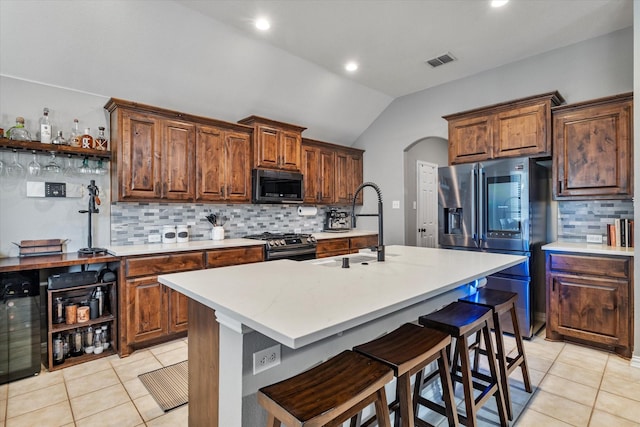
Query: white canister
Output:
(182,232)
(217,233)
(169,234)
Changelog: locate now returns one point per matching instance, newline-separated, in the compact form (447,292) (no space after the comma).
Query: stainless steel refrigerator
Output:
(499,206)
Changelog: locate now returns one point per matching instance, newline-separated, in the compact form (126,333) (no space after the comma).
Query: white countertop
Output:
(588,248)
(298,303)
(198,245)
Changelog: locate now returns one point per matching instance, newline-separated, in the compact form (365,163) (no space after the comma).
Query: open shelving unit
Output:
(77,294)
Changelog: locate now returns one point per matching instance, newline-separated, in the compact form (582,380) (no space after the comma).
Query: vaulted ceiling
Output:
(392,39)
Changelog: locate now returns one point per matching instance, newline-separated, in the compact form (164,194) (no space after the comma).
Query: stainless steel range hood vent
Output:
(441,60)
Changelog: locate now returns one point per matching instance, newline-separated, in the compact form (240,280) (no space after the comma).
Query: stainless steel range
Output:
(295,246)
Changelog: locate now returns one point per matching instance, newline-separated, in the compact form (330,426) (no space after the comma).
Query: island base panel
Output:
(203,365)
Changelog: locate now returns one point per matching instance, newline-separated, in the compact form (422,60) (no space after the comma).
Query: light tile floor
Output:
(575,386)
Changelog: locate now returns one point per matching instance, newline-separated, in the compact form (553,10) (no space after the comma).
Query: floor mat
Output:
(168,385)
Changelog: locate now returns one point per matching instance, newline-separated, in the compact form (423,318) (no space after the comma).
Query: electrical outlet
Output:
(395,204)
(155,238)
(594,238)
(297,230)
(266,359)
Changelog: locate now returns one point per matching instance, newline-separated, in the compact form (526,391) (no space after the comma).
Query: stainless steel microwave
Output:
(271,186)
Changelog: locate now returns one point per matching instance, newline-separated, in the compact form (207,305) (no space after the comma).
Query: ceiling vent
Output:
(441,60)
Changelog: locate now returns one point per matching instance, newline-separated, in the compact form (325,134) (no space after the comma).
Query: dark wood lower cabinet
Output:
(344,245)
(589,300)
(153,313)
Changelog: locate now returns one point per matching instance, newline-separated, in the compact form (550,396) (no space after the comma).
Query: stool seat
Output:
(503,305)
(457,319)
(407,350)
(499,301)
(406,347)
(328,394)
(461,320)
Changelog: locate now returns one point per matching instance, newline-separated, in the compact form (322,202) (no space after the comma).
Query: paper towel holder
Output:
(307,210)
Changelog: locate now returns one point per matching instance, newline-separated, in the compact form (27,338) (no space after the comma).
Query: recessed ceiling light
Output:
(263,24)
(498,3)
(351,66)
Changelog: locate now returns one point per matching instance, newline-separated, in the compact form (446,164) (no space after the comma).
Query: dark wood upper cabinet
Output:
(223,171)
(318,170)
(276,145)
(593,149)
(177,160)
(348,175)
(511,129)
(331,172)
(164,155)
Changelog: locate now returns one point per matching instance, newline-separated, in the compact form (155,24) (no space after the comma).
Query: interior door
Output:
(427,214)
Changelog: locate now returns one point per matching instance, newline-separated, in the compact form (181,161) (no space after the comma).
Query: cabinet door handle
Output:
(560,182)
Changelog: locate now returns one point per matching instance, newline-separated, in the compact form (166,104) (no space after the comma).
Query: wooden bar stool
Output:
(329,394)
(501,302)
(462,320)
(407,350)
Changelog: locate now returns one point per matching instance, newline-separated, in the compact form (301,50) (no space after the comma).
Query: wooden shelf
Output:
(82,359)
(61,150)
(63,327)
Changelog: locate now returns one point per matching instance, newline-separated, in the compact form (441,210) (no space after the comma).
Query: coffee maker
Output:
(337,221)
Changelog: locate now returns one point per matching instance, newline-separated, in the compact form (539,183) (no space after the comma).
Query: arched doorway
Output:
(430,149)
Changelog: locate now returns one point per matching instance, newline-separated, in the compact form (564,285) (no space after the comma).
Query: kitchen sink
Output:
(353,260)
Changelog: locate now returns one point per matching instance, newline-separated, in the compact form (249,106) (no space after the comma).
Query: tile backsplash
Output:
(132,223)
(576,219)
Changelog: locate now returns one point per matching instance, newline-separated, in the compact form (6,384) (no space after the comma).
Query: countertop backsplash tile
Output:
(132,223)
(576,219)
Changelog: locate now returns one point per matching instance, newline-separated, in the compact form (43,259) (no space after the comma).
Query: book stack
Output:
(620,233)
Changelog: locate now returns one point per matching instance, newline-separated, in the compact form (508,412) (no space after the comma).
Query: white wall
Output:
(23,218)
(587,70)
(72,56)
(162,53)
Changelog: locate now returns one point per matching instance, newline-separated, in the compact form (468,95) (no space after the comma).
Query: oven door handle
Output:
(290,253)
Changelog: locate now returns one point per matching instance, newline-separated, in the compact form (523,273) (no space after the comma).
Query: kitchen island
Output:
(315,309)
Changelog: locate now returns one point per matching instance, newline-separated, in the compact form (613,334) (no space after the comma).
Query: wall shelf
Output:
(60,150)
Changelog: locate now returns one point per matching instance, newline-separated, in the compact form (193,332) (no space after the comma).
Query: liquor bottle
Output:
(74,139)
(59,140)
(86,140)
(100,142)
(18,132)
(58,350)
(44,131)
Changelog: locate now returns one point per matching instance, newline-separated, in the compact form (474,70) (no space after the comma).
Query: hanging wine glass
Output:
(15,170)
(100,169)
(85,169)
(34,167)
(52,167)
(69,169)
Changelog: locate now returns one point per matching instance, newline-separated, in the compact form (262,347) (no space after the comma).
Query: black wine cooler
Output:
(19,325)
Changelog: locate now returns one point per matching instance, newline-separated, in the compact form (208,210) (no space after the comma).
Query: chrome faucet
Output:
(380,248)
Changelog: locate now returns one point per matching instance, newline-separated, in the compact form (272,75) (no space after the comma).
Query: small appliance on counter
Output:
(337,221)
